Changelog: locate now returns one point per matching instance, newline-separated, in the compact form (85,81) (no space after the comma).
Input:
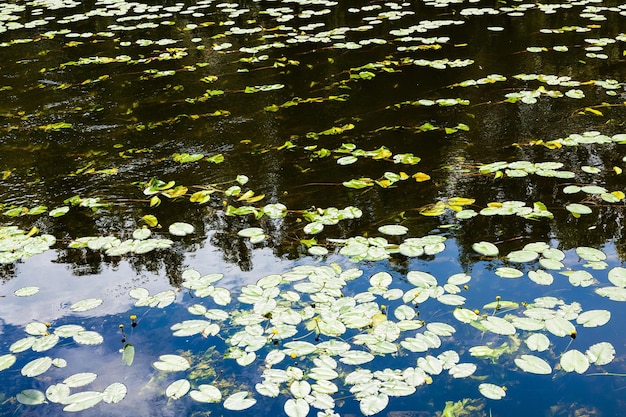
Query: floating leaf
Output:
(601,353)
(393,230)
(538,342)
(26,291)
(128,354)
(239,401)
(486,249)
(37,366)
(373,404)
(574,360)
(205,393)
(87,337)
(296,407)
(171,363)
(178,389)
(80,379)
(114,393)
(86,304)
(491,391)
(7,360)
(31,397)
(593,318)
(82,401)
(578,209)
(181,229)
(533,365)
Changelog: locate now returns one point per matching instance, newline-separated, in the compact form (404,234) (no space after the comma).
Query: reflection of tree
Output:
(112,130)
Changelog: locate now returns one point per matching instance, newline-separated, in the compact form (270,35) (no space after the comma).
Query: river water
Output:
(372,146)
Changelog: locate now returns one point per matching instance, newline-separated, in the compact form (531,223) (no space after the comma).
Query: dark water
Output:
(97,98)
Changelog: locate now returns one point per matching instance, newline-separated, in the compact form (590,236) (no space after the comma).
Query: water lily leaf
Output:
(6,361)
(538,342)
(612,293)
(578,209)
(486,249)
(181,229)
(26,291)
(617,276)
(356,357)
(574,360)
(275,211)
(498,325)
(451,299)
(313,228)
(239,401)
(36,328)
(57,393)
(31,397)
(82,401)
(601,353)
(37,366)
(171,363)
(462,370)
(80,379)
(522,256)
(541,277)
(430,365)
(594,318)
(178,389)
(491,391)
(506,272)
(86,304)
(373,404)
(87,337)
(347,160)
(580,278)
(465,315)
(205,393)
(533,364)
(558,326)
(590,254)
(114,393)
(393,230)
(296,407)
(141,234)
(128,354)
(421,279)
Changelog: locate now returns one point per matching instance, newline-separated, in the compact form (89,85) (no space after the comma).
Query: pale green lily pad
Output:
(181,229)
(171,363)
(533,364)
(82,401)
(37,366)
(114,393)
(576,208)
(507,272)
(57,393)
(205,393)
(593,318)
(87,337)
(617,276)
(541,277)
(86,304)
(296,407)
(590,254)
(7,360)
(498,325)
(574,360)
(491,391)
(601,353)
(486,249)
(538,342)
(373,404)
(239,401)
(393,230)
(612,293)
(178,389)
(522,256)
(80,379)
(26,291)
(31,397)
